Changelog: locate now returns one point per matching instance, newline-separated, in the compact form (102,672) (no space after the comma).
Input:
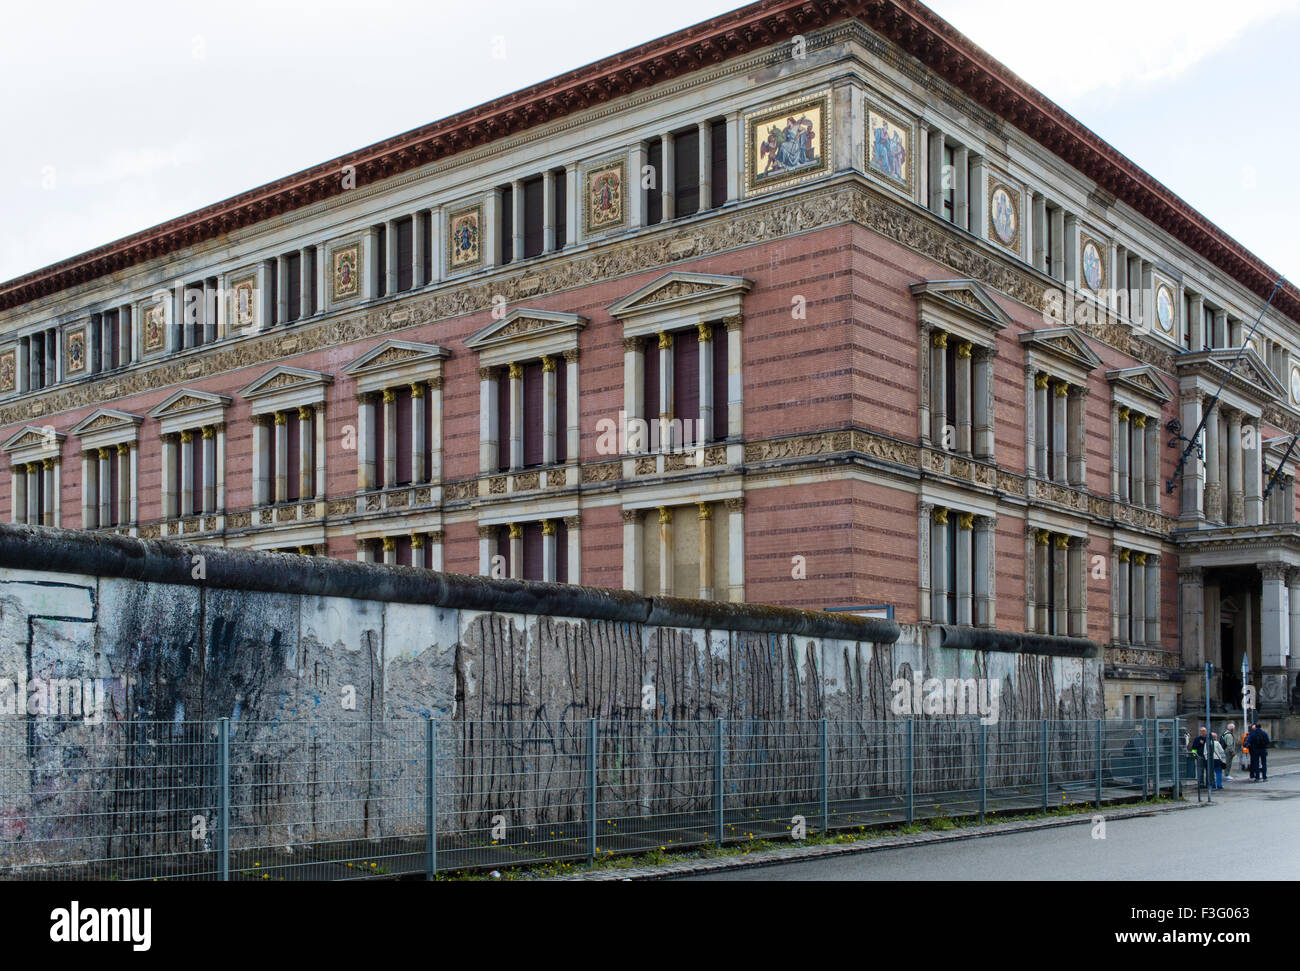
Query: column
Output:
(55,472)
(1138,602)
(937,180)
(1220,338)
(983,372)
(1125,451)
(961,407)
(306,439)
(1191,582)
(1293,608)
(665,391)
(573,527)
(517,222)
(1077,417)
(187,473)
(939,391)
(418,222)
(548,551)
(668,177)
(1059,453)
(1040,425)
(106,337)
(306,261)
(435,540)
(281,456)
(1153,600)
(89,490)
(705,140)
(548,211)
(736,549)
(488,421)
(666,552)
(1275,640)
(321,451)
(1236,495)
(550,410)
(735,380)
(1213,487)
(1123,605)
(516,372)
(18,493)
(104,478)
(960,201)
(1060,583)
(965,572)
(390,437)
(1137,472)
(282,290)
(705,433)
(1236,332)
(418,433)
(1072,275)
(1058,243)
(365,441)
(1043,565)
(633,383)
(633,561)
(417,550)
(389,543)
(390,269)
(47,483)
(1153,462)
(573,443)
(985,570)
(706,550)
(1252,469)
(125,486)
(1197,323)
(261,453)
(978,208)
(516,551)
(637,198)
(1031,423)
(1195,471)
(486,549)
(169,463)
(924,529)
(939,567)
(571,206)
(1078,594)
(209,469)
(1039,254)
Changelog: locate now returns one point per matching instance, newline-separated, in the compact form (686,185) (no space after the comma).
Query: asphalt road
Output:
(1249,833)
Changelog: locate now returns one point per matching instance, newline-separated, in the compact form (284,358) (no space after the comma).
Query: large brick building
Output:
(921,332)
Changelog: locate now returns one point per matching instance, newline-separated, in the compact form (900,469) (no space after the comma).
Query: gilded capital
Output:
(390,395)
(665,515)
(516,370)
(1062,389)
(1062,541)
(417,541)
(103,454)
(1139,421)
(548,527)
(304,412)
(964,349)
(706,510)
(965,520)
(548,363)
(516,530)
(665,340)
(390,544)
(281,417)
(417,389)
(939,338)
(1125,556)
(1040,381)
(941,515)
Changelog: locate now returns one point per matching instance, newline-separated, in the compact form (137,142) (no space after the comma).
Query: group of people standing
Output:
(1218,754)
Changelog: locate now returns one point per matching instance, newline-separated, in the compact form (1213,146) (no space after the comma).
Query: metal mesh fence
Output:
(366,800)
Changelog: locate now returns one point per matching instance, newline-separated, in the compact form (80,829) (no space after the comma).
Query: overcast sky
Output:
(118,116)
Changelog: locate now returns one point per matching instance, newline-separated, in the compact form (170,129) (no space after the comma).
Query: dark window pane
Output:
(532,551)
(404,436)
(405,242)
(294,490)
(380,438)
(650,401)
(719,382)
(720,170)
(503,419)
(686,171)
(686,380)
(562,553)
(294,263)
(561,410)
(534,220)
(381,262)
(533,413)
(561,208)
(506,225)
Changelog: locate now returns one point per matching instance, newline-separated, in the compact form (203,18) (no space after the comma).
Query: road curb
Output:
(797,854)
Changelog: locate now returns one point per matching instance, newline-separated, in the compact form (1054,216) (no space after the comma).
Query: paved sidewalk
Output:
(760,858)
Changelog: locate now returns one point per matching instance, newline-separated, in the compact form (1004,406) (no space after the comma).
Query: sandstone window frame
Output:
(1056,577)
(1138,396)
(179,417)
(953,532)
(503,347)
(1135,593)
(414,368)
(658,508)
(560,529)
(673,303)
(99,432)
(1057,360)
(286,394)
(1279,507)
(36,465)
(958,325)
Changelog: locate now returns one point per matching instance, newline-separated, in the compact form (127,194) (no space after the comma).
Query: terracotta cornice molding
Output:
(914,28)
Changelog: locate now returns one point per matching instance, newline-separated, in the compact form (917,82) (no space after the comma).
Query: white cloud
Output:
(1132,42)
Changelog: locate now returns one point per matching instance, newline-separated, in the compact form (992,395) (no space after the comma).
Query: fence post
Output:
(591,790)
(1099,731)
(1155,749)
(430,799)
(826,778)
(911,770)
(984,769)
(1146,761)
(719,754)
(1177,771)
(1045,768)
(223,796)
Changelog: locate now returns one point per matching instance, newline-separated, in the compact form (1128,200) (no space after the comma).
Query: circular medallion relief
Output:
(1165,309)
(1295,385)
(1002,208)
(1092,270)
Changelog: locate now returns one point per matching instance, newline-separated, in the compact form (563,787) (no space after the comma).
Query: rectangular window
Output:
(293,485)
(534,217)
(561,411)
(294,263)
(561,208)
(720,172)
(534,403)
(506,224)
(686,380)
(720,344)
(426,232)
(503,420)
(686,171)
(949,184)
(654,195)
(650,397)
(404,408)
(405,254)
(381,261)
(533,559)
